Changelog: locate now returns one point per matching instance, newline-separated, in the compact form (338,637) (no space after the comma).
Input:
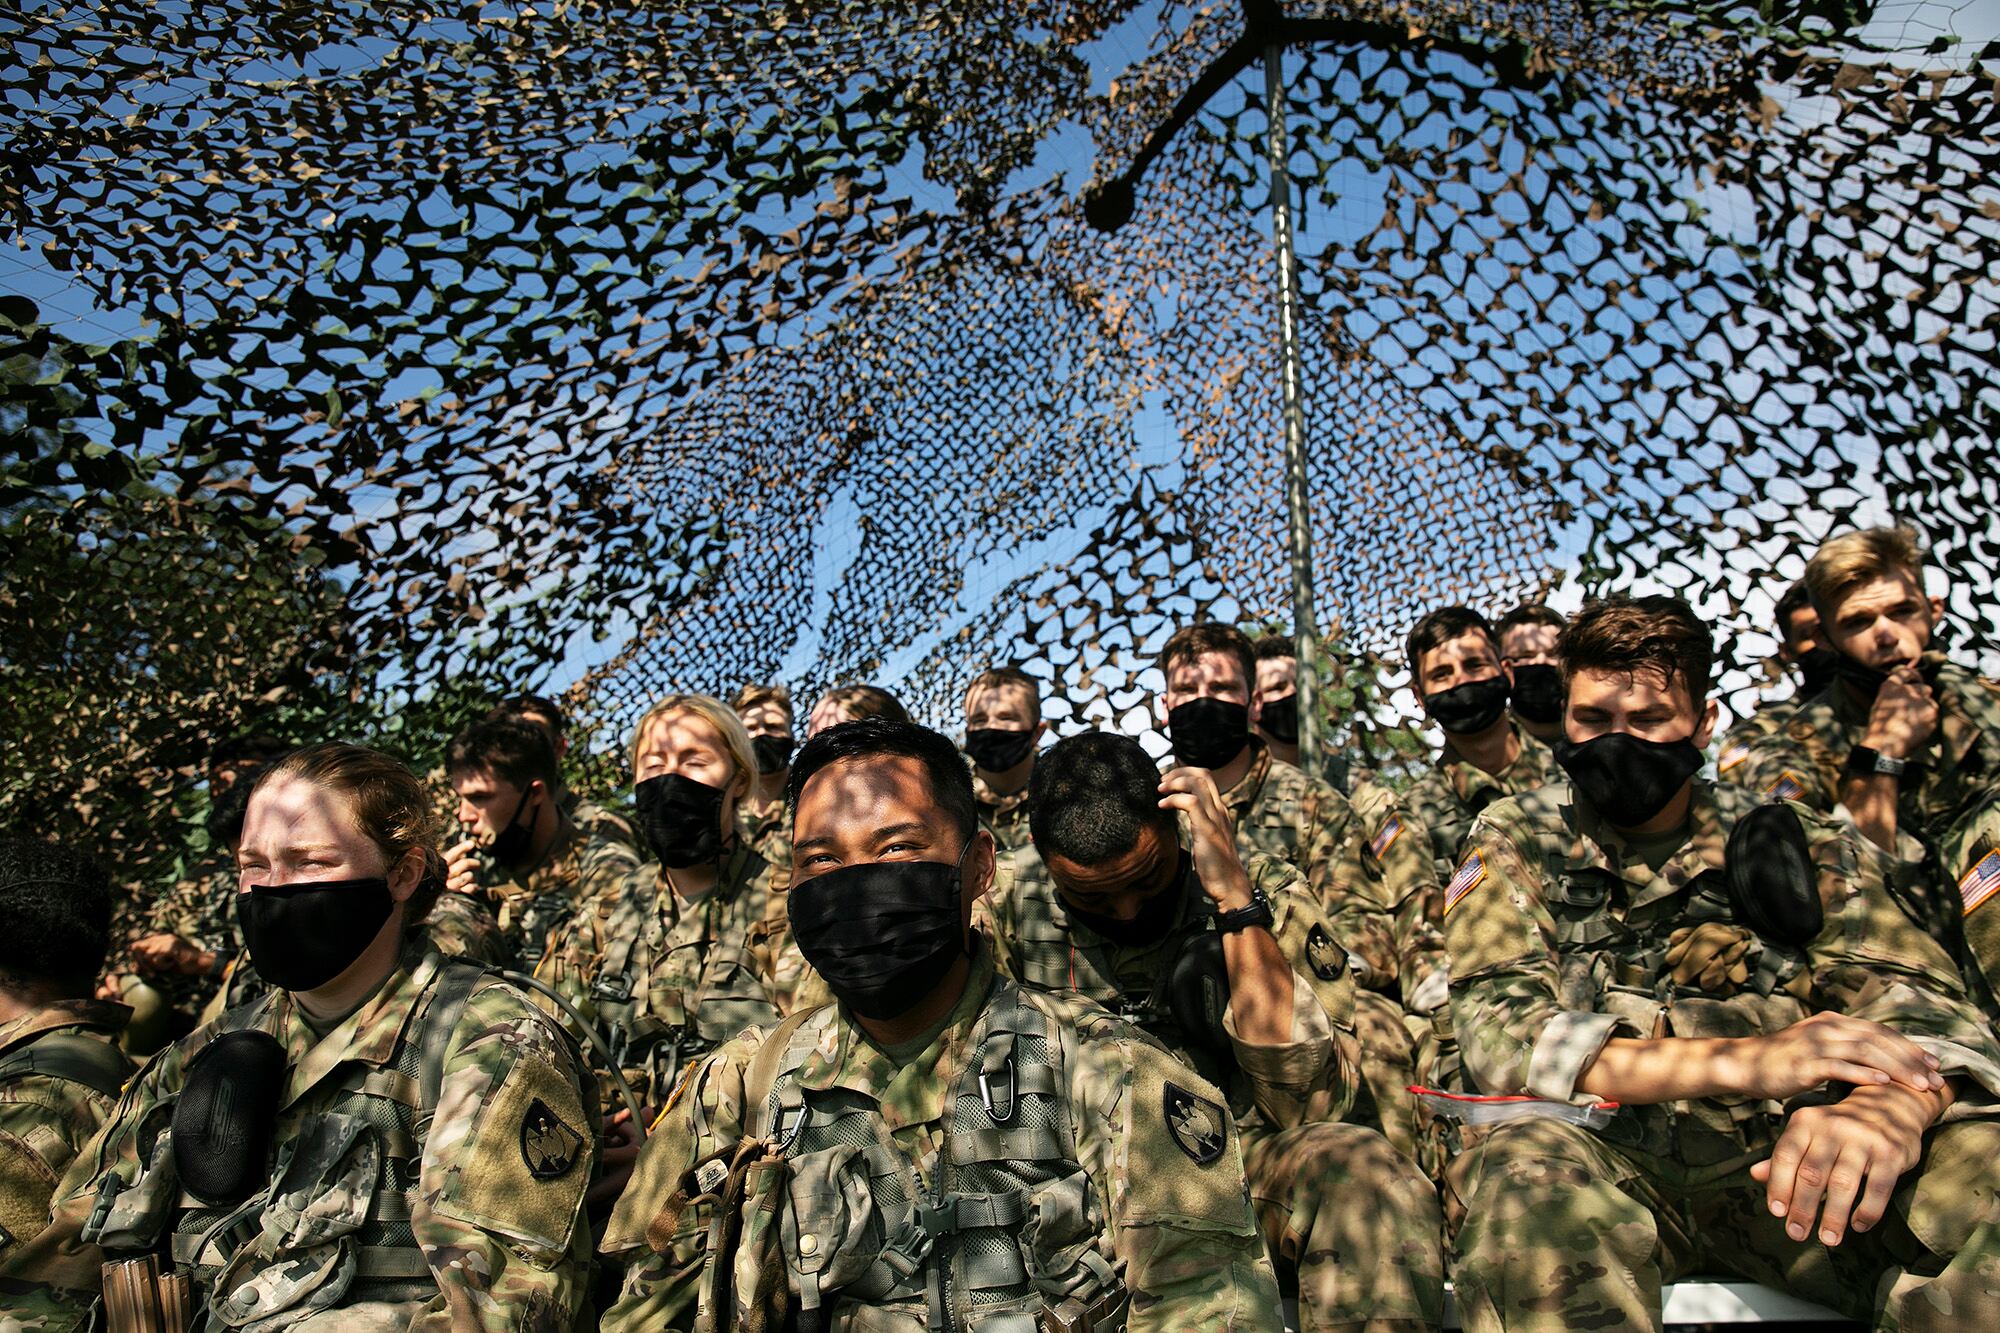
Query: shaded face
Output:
(828,713)
(766,719)
(1208,676)
(1530,645)
(1277,677)
(1004,707)
(1801,633)
(487,803)
(688,744)
(1458,661)
(881,808)
(298,832)
(1884,623)
(1644,703)
(1121,887)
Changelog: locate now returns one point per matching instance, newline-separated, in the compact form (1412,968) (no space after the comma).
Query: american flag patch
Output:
(1470,872)
(1385,837)
(1731,757)
(1982,881)
(1787,787)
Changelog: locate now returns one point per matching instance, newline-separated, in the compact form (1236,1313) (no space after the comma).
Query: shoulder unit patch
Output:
(548,1146)
(1471,872)
(1323,955)
(1200,1127)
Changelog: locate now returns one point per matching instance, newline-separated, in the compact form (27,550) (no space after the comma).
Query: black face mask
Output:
(1538,693)
(882,933)
(301,936)
(512,845)
(1866,680)
(1465,710)
(681,819)
(1280,719)
(1627,778)
(773,754)
(1817,669)
(1208,733)
(1156,918)
(995,750)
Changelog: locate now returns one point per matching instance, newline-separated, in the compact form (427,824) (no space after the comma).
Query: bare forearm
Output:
(1871,802)
(1641,1072)
(1260,986)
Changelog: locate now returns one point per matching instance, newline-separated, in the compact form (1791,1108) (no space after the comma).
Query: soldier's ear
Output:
(406,874)
(1705,729)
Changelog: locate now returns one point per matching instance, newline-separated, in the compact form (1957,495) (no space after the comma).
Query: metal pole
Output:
(1293,356)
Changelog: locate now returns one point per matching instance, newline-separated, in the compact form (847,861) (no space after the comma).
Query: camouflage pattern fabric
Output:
(46,1118)
(769,833)
(1449,797)
(664,979)
(534,902)
(1736,743)
(201,910)
(1558,937)
(1181,1229)
(471,1217)
(1968,856)
(1308,1176)
(1005,817)
(1399,846)
(600,821)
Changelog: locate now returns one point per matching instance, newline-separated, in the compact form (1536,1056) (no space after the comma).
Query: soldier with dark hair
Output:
(541,711)
(1133,893)
(60,1066)
(938,1147)
(1799,650)
(1003,725)
(766,713)
(1526,637)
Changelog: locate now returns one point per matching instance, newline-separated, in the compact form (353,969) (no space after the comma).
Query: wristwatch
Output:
(1870,762)
(1258,913)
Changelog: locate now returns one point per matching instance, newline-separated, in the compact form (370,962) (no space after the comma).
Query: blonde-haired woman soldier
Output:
(387,1140)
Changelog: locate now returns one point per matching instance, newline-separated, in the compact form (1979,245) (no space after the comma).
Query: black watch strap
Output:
(1258,913)
(1870,762)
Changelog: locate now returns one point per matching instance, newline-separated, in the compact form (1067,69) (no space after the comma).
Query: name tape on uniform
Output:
(1981,882)
(1471,872)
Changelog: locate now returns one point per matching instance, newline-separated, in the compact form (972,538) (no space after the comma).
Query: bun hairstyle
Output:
(387,803)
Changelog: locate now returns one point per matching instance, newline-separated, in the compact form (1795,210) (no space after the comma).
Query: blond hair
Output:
(712,711)
(387,803)
(1844,563)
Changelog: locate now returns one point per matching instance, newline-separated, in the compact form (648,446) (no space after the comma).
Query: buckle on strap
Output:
(1001,1108)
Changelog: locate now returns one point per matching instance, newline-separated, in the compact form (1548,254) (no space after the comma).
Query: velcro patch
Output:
(1471,872)
(1731,757)
(1787,787)
(1385,837)
(1981,882)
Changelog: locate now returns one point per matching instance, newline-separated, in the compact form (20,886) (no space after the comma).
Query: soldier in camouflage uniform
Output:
(60,1066)
(1615,941)
(543,866)
(662,961)
(587,815)
(1114,901)
(1003,725)
(1968,856)
(953,1151)
(766,714)
(399,1141)
(1798,648)
(1278,711)
(1279,811)
(1526,640)
(1903,742)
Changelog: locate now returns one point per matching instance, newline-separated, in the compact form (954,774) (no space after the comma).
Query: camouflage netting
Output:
(666,345)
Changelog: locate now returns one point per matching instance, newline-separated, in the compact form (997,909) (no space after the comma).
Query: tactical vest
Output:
(656,1026)
(1609,966)
(1004,1227)
(332,1225)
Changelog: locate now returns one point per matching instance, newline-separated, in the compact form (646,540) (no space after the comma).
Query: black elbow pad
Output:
(1773,884)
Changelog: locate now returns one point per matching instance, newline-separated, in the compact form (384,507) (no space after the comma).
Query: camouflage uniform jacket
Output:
(1310,1078)
(466,1213)
(1558,936)
(1969,859)
(1449,797)
(1802,760)
(665,979)
(534,902)
(768,832)
(1400,846)
(598,821)
(1110,1175)
(202,911)
(1005,817)
(1281,812)
(51,1108)
(1736,742)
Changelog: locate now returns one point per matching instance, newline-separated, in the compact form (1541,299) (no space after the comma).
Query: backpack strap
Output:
(773,1059)
(457,979)
(73,1057)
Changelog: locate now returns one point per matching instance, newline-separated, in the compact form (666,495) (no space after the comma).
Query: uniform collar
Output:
(555,859)
(993,804)
(740,864)
(1241,797)
(101,1015)
(1704,850)
(369,1035)
(846,1059)
(1529,770)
